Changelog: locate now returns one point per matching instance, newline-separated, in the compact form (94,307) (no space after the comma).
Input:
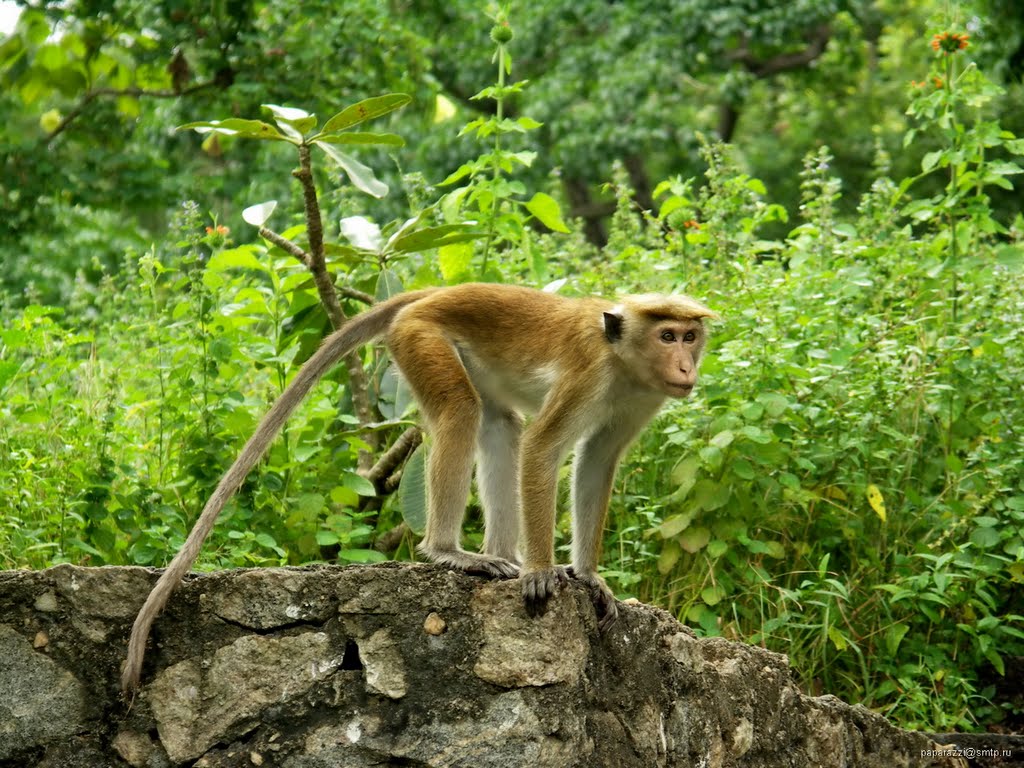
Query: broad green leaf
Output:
(547,211)
(1010,256)
(432,237)
(717,548)
(366,110)
(668,557)
(694,539)
(723,439)
(930,160)
(412,490)
(326,538)
(713,595)
(743,469)
(673,526)
(388,284)
(247,129)
(358,483)
(259,213)
(266,540)
(360,175)
(774,404)
(241,257)
(985,538)
(386,139)
(684,474)
(775,549)
(455,261)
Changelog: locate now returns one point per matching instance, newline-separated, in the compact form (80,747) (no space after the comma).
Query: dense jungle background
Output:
(835,177)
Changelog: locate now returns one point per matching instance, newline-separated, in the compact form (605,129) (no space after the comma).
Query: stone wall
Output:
(398,665)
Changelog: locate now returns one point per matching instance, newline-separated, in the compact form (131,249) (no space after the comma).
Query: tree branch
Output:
(817,39)
(90,96)
(287,246)
(358,382)
(394,456)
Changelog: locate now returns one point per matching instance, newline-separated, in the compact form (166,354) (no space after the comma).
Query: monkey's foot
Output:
(601,596)
(539,585)
(472,562)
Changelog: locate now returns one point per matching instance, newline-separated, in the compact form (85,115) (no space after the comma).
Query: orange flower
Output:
(691,224)
(949,42)
(939,82)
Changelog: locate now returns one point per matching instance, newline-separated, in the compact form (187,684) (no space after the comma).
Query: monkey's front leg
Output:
(542,454)
(593,473)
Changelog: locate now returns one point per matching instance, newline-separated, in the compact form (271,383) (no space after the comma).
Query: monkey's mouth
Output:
(682,389)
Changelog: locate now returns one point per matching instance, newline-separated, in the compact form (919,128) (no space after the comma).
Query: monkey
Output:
(477,357)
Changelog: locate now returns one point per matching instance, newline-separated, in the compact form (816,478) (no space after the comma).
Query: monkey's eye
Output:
(668,337)
(689,337)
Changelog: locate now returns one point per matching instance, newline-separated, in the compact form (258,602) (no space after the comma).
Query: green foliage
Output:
(845,485)
(851,490)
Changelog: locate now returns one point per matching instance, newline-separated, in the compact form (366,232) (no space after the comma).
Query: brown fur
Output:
(476,356)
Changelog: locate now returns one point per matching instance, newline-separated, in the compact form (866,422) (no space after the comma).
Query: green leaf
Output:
(713,595)
(234,258)
(930,160)
(362,556)
(547,211)
(386,139)
(717,548)
(358,483)
(986,538)
(455,261)
(367,109)
(246,129)
(388,284)
(695,539)
(266,540)
(360,175)
(326,538)
(743,469)
(668,557)
(774,404)
(673,526)
(432,237)
(723,439)
(412,490)
(894,636)
(837,639)
(293,122)
(1010,256)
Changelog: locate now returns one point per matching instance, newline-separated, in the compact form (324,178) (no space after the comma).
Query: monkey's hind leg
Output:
(453,410)
(497,480)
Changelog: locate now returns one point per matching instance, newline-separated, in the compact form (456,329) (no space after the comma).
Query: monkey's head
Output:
(660,338)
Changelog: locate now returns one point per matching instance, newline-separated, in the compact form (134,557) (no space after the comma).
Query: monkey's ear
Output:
(613,324)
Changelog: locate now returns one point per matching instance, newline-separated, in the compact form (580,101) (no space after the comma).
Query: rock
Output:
(399,665)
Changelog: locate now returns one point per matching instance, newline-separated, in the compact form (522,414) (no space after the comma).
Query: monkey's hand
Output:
(601,596)
(539,585)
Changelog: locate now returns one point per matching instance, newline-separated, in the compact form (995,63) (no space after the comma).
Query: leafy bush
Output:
(846,486)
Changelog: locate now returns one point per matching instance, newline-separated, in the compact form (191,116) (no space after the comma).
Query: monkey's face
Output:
(674,349)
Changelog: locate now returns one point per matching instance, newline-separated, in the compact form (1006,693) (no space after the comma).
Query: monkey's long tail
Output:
(360,330)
